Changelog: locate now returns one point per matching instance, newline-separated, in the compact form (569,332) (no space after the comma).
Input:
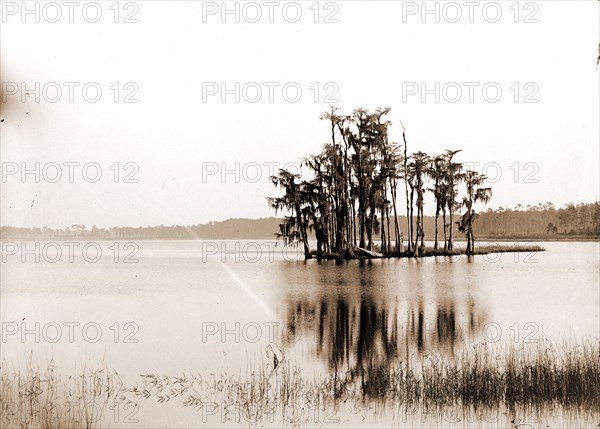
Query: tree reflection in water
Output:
(368,333)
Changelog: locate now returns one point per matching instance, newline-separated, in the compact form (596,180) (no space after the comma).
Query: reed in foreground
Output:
(499,377)
(32,398)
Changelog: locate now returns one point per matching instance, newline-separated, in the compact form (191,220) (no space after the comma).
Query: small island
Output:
(350,201)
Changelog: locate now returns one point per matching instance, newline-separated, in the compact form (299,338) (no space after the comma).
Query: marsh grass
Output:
(485,378)
(534,374)
(525,375)
(32,398)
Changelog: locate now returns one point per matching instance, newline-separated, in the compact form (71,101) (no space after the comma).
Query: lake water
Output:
(225,307)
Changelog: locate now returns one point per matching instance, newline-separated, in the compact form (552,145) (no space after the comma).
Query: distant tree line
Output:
(575,220)
(228,229)
(541,220)
(351,199)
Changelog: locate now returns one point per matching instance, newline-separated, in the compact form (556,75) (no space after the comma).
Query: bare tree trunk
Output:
(347,188)
(469,245)
(354,220)
(398,245)
(302,226)
(361,216)
(437,216)
(408,204)
(387,216)
(451,226)
(470,236)
(445,228)
(383,242)
(422,246)
(408,221)
(413,246)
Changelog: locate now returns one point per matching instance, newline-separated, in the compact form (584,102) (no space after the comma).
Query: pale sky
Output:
(377,54)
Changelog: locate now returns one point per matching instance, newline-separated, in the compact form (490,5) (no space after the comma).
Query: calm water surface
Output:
(187,307)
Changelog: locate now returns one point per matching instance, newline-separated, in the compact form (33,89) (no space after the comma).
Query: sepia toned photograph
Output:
(299,214)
